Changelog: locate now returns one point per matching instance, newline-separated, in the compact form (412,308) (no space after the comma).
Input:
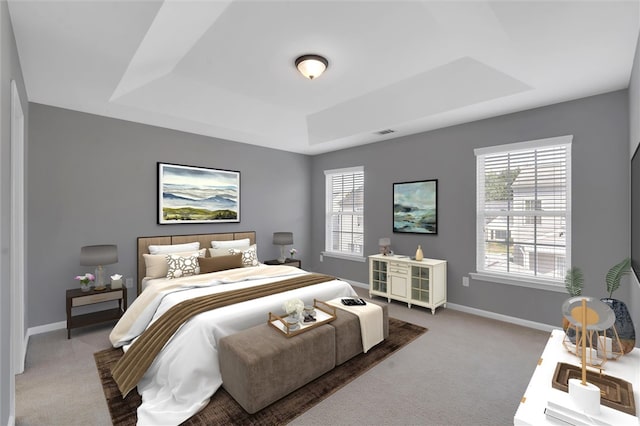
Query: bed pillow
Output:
(221,248)
(249,256)
(174,248)
(156,264)
(220,263)
(182,266)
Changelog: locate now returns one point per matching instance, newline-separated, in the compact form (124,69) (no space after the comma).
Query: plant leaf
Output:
(616,273)
(573,281)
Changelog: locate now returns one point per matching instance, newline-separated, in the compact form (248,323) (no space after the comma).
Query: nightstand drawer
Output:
(96,298)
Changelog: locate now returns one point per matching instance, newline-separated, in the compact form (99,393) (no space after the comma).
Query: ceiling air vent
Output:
(385,131)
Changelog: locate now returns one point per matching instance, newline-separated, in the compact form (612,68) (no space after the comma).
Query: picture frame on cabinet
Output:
(415,207)
(190,194)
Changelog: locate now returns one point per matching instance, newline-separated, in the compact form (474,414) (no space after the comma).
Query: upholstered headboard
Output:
(204,239)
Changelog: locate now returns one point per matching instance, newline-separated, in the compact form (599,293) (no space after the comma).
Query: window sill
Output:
(354,258)
(520,282)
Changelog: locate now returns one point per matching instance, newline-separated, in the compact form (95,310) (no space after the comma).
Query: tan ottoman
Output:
(348,338)
(261,365)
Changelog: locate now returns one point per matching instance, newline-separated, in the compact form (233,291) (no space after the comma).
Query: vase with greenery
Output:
(573,282)
(623,324)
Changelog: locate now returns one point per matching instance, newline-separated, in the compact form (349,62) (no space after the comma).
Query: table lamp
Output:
(385,246)
(282,239)
(98,256)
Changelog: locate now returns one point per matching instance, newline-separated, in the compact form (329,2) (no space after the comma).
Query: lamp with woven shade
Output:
(282,239)
(98,256)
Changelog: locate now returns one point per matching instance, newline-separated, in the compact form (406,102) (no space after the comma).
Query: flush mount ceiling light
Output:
(311,66)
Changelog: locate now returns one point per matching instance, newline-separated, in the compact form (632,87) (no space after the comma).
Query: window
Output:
(523,216)
(345,212)
(533,205)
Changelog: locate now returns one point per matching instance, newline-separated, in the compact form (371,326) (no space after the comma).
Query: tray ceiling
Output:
(225,68)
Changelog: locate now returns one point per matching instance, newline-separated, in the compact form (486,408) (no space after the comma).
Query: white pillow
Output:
(221,248)
(174,248)
(249,255)
(182,266)
(156,264)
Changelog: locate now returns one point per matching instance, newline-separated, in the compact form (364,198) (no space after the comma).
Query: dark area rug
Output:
(224,410)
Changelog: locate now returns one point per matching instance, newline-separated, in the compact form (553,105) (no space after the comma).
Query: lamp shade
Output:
(283,238)
(98,255)
(384,242)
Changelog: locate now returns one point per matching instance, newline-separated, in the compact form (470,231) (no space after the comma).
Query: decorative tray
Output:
(614,392)
(324,314)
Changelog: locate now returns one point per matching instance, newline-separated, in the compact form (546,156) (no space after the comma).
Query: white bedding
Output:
(186,372)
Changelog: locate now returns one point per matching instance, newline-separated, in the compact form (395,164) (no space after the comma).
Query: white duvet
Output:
(186,372)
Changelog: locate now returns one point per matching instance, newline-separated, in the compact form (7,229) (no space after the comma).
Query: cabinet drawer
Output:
(398,268)
(96,298)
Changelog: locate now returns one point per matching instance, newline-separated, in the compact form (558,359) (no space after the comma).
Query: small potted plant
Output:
(573,282)
(293,252)
(85,281)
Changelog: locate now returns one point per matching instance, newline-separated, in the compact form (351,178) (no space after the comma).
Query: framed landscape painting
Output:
(188,194)
(415,207)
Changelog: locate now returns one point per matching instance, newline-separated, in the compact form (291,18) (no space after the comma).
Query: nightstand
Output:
(77,297)
(289,262)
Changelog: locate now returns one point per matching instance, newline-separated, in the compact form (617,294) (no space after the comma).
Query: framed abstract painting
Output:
(188,194)
(415,207)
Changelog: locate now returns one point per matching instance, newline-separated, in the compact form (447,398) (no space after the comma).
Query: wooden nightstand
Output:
(77,297)
(289,262)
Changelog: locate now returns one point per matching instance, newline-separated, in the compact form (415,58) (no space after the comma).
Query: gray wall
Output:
(634,140)
(600,126)
(94,181)
(9,70)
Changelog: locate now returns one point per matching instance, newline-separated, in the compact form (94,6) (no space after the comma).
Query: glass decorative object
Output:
(599,318)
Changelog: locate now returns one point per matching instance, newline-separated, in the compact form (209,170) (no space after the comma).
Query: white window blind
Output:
(524,209)
(345,211)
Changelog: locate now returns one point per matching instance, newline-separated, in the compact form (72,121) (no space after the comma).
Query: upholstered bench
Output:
(260,365)
(348,337)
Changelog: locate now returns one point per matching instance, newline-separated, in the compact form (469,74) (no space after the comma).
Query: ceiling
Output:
(225,68)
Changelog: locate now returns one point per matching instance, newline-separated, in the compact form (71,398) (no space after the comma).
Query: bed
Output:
(185,373)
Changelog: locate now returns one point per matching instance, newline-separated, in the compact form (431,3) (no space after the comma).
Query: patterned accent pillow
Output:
(156,264)
(182,266)
(249,256)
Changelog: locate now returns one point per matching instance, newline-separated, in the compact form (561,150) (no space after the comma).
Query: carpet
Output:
(223,409)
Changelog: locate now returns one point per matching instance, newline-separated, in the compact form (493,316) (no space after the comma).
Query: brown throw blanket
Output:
(135,362)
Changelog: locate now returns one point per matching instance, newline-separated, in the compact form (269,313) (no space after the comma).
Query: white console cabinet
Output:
(416,282)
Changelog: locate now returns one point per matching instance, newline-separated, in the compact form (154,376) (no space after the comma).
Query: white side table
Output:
(539,392)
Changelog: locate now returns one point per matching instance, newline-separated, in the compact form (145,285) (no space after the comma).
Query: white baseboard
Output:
(485,314)
(46,328)
(503,318)
(23,354)
(357,284)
